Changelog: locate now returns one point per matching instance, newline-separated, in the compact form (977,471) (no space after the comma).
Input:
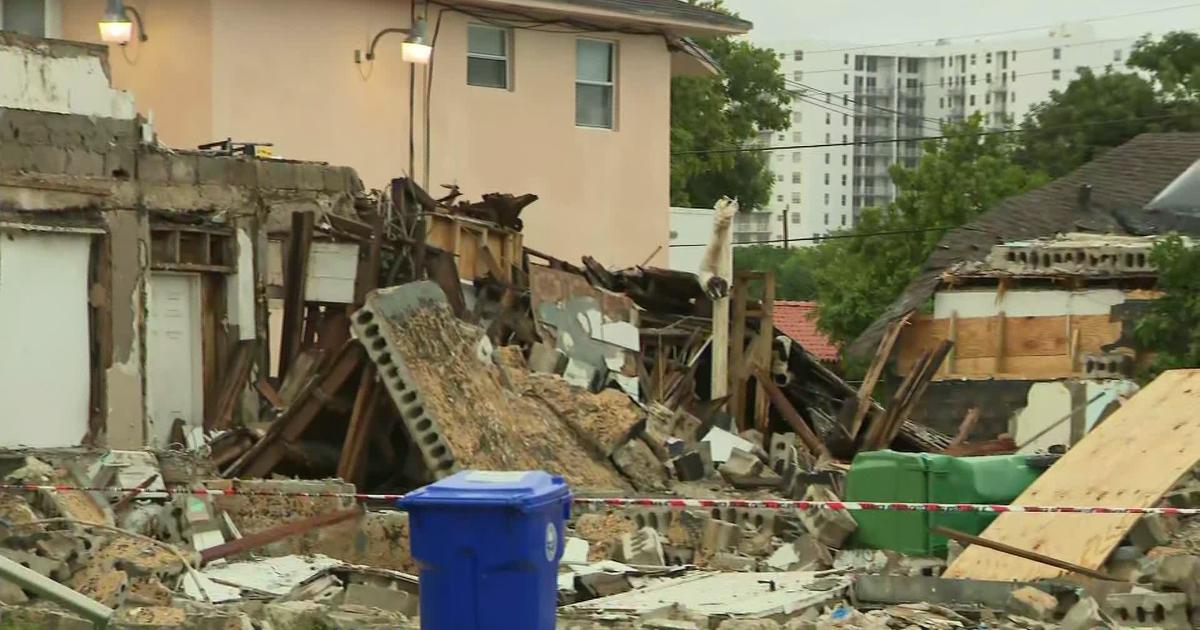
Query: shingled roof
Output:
(673,15)
(1123,180)
(798,320)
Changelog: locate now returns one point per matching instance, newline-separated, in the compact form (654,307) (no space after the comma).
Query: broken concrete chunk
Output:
(637,462)
(741,463)
(381,597)
(1150,531)
(830,527)
(575,551)
(689,467)
(602,584)
(544,357)
(643,548)
(749,624)
(725,561)
(723,442)
(802,554)
(1033,603)
(719,535)
(1084,615)
(1179,573)
(11,594)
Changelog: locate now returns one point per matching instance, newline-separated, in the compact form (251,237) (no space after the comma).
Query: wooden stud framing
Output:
(294,281)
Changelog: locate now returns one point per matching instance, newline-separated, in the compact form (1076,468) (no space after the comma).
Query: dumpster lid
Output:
(525,489)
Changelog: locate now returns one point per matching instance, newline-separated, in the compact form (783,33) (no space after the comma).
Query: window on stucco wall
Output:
(487,56)
(595,83)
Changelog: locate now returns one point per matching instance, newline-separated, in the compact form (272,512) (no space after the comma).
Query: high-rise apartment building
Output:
(867,97)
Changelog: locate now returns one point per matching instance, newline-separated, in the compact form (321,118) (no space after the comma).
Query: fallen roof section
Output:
(798,320)
(1123,180)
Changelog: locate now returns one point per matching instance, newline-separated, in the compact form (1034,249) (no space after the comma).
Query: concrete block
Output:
(1150,610)
(756,543)
(602,584)
(242,172)
(1180,574)
(66,138)
(1033,603)
(643,548)
(719,536)
(1150,531)
(120,162)
(658,519)
(49,159)
(182,169)
(802,554)
(678,556)
(725,561)
(381,597)
(741,464)
(277,175)
(689,467)
(1185,497)
(84,163)
(49,567)
(15,157)
(11,594)
(334,179)
(575,551)
(1084,615)
(97,138)
(30,130)
(310,176)
(152,167)
(830,527)
(637,462)
(212,170)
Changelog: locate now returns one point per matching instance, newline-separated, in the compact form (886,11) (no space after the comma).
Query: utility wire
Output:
(834,236)
(1009,31)
(854,111)
(999,132)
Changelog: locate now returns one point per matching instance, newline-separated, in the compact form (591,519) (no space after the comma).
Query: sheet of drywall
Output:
(1025,303)
(45,370)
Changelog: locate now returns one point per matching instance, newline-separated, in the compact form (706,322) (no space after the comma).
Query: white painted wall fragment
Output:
(45,386)
(332,269)
(1029,303)
(240,289)
(1049,402)
(31,79)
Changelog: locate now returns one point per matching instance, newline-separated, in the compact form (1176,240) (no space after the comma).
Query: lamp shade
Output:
(416,52)
(116,30)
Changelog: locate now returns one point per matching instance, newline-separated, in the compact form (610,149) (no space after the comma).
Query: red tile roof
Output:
(798,320)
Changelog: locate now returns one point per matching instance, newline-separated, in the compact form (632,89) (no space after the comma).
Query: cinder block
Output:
(689,467)
(1150,610)
(29,127)
(120,163)
(310,176)
(49,159)
(15,157)
(719,536)
(182,169)
(1181,574)
(211,169)
(725,561)
(84,163)
(741,464)
(242,172)
(334,179)
(1032,603)
(1150,531)
(152,167)
(658,519)
(277,175)
(831,527)
(643,548)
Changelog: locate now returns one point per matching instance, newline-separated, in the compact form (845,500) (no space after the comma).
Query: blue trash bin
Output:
(488,544)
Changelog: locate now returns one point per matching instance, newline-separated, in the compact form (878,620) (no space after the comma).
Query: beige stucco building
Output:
(568,100)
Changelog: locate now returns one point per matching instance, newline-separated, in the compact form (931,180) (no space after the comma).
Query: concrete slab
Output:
(737,595)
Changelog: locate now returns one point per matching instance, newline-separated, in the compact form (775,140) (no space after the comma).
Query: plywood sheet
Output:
(1130,460)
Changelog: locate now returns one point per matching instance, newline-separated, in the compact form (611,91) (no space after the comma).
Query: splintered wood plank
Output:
(1130,460)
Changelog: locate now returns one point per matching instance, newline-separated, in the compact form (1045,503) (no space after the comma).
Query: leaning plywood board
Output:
(1130,460)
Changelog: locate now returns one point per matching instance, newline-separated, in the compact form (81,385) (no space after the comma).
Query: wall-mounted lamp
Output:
(413,50)
(117,28)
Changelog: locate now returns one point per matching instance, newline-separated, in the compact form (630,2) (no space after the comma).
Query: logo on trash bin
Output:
(551,541)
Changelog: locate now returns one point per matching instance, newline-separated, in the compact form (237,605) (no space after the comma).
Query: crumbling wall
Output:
(59,76)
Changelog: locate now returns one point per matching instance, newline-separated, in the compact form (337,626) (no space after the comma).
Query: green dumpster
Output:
(891,476)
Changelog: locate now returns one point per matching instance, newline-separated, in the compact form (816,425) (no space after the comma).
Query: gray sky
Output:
(887,21)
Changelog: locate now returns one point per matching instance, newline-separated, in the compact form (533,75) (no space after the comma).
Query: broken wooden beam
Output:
(790,415)
(863,398)
(351,463)
(295,279)
(1020,553)
(258,539)
(237,375)
(266,453)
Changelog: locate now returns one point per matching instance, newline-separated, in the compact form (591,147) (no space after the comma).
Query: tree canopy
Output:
(730,110)
(1171,330)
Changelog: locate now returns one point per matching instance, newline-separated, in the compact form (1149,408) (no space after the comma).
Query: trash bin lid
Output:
(522,489)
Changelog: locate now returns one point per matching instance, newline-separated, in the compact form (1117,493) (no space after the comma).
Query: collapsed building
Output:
(200,341)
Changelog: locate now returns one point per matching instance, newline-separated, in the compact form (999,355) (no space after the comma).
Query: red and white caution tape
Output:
(675,504)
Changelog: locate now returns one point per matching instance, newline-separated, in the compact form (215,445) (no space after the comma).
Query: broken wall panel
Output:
(458,406)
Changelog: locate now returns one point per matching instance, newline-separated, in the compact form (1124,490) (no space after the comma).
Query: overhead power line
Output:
(834,236)
(1009,31)
(999,132)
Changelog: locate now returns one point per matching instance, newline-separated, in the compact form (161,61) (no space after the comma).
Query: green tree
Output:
(793,269)
(1171,330)
(1099,111)
(731,110)
(956,179)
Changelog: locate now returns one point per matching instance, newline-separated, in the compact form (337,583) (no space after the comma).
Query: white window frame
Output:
(506,58)
(611,84)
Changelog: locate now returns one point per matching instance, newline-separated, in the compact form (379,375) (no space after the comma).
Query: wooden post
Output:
(1079,405)
(737,353)
(720,320)
(766,338)
(953,337)
(351,463)
(1000,332)
(294,280)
